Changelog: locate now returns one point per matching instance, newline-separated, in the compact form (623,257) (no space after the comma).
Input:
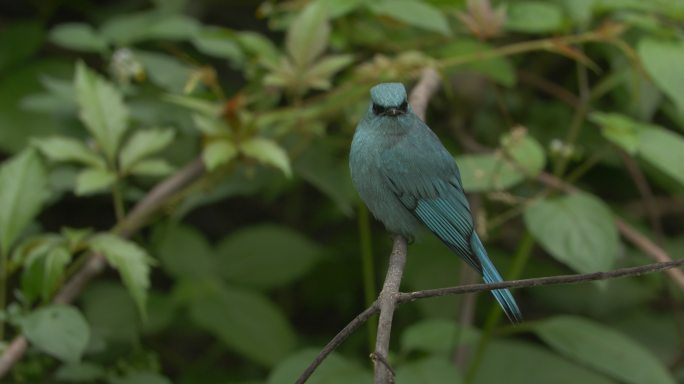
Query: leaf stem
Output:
(117,198)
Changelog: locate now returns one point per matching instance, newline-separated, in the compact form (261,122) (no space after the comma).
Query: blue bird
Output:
(406,177)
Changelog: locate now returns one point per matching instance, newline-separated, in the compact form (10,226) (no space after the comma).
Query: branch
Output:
(96,263)
(627,231)
(387,301)
(523,283)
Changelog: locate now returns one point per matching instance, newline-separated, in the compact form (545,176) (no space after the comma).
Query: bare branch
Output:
(156,198)
(387,301)
(534,282)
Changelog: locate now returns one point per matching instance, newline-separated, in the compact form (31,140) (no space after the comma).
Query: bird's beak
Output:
(393,111)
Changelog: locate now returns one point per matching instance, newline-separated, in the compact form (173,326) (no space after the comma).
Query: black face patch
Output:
(379,110)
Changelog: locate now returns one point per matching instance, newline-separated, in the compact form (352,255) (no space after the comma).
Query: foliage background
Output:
(244,275)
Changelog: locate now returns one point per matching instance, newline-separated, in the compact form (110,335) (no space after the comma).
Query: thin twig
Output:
(523,283)
(387,301)
(156,198)
(645,191)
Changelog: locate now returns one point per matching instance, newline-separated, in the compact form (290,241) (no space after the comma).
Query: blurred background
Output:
(261,251)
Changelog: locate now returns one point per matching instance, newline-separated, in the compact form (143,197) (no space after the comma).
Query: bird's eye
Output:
(404,106)
(378,110)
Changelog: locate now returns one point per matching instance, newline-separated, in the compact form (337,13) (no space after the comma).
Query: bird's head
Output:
(389,99)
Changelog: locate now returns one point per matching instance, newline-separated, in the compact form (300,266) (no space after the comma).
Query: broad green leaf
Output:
(533,17)
(23,181)
(44,271)
(58,330)
(144,143)
(140,378)
(217,153)
(210,125)
(120,326)
(602,349)
(265,256)
(339,8)
(499,69)
(126,29)
(496,171)
(60,148)
(430,370)
(320,166)
(329,65)
(576,229)
(244,321)
(79,37)
(18,126)
(184,252)
(308,34)
(335,369)
(93,180)
(101,109)
(515,362)
(664,150)
(413,12)
(30,33)
(658,57)
(620,129)
(130,260)
(437,336)
(164,70)
(152,167)
(257,45)
(83,372)
(219,42)
(196,104)
(268,152)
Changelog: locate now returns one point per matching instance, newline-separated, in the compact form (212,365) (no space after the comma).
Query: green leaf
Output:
(320,166)
(30,33)
(58,330)
(308,34)
(244,321)
(126,29)
(144,143)
(576,229)
(120,326)
(219,42)
(166,71)
(430,370)
(533,17)
(268,152)
(319,74)
(266,256)
(413,12)
(83,372)
(496,171)
(335,369)
(50,269)
(499,69)
(152,167)
(515,362)
(437,336)
(620,129)
(339,8)
(23,181)
(664,150)
(196,104)
(93,180)
(602,349)
(130,260)
(79,37)
(217,153)
(140,378)
(657,57)
(60,148)
(184,252)
(101,109)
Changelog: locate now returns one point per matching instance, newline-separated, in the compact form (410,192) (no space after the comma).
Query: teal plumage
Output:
(407,178)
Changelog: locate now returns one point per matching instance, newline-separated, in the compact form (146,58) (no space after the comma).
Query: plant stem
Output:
(368,269)
(3,291)
(522,255)
(117,198)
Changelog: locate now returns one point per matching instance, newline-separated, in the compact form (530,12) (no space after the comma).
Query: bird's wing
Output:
(425,178)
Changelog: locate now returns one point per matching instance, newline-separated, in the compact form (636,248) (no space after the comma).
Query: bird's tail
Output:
(491,275)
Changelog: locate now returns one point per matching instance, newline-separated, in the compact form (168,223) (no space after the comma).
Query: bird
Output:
(407,179)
